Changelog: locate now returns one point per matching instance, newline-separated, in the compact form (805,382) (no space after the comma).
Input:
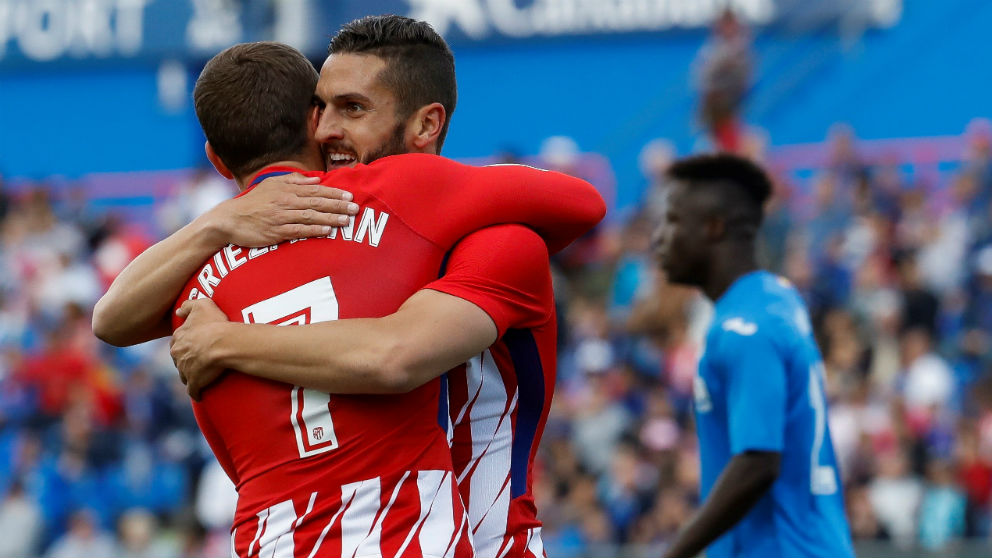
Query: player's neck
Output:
(727,267)
(302,163)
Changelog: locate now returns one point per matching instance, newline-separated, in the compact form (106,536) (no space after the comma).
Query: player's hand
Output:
(191,344)
(281,208)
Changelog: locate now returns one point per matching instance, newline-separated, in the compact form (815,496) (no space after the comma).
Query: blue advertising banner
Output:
(45,31)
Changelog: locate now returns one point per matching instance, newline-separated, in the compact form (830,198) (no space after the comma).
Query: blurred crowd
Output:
(99,451)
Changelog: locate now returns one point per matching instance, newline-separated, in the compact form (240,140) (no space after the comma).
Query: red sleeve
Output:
(503,270)
(444,200)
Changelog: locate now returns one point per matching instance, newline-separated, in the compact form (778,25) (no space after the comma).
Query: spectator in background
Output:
(864,523)
(978,156)
(975,476)
(844,163)
(20,522)
(928,382)
(920,306)
(4,199)
(776,230)
(978,316)
(723,76)
(139,536)
(942,511)
(895,496)
(654,159)
(85,539)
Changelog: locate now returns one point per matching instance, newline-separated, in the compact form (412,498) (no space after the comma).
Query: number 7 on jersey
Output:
(310,411)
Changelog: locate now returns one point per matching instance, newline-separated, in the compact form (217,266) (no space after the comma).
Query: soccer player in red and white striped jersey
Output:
(497,287)
(356,475)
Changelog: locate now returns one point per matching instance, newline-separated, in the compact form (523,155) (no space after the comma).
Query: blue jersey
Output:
(760,387)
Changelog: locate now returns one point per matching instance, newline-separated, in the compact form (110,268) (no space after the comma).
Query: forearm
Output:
(744,481)
(432,333)
(335,357)
(137,306)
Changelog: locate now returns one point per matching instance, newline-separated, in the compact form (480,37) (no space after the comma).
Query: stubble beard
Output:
(395,145)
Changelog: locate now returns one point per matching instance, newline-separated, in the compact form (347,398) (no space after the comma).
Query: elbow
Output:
(103,326)
(595,206)
(394,378)
(767,470)
(394,369)
(598,209)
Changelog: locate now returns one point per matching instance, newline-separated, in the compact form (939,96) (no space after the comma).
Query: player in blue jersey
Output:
(769,479)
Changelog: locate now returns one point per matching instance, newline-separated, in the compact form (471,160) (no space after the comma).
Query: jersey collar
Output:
(268,172)
(742,284)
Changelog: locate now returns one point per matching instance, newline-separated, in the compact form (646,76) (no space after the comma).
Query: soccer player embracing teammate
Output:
(411,286)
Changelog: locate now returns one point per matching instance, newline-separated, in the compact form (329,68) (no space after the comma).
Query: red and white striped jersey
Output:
(362,518)
(354,475)
(499,401)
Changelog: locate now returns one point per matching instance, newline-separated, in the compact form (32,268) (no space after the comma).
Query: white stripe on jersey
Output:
(507,545)
(358,534)
(425,507)
(262,517)
(536,544)
(488,472)
(439,527)
(362,515)
(277,540)
(234,535)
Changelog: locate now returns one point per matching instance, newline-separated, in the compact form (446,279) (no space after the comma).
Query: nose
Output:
(329,127)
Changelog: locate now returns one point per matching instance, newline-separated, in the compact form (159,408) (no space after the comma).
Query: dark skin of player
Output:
(707,241)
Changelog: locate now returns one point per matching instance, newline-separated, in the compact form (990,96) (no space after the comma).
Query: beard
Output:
(395,145)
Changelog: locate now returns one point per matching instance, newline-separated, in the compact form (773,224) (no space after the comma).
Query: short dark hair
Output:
(420,68)
(252,101)
(724,167)
(743,186)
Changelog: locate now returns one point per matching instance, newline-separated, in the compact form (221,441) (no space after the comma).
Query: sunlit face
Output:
(358,121)
(679,241)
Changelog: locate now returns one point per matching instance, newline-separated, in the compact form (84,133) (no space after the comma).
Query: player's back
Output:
(760,387)
(319,474)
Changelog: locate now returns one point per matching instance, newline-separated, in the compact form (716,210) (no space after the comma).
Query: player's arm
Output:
(742,483)
(136,307)
(431,333)
(459,199)
(755,379)
(496,279)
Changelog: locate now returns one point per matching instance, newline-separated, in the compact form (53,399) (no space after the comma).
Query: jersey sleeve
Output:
(444,200)
(504,271)
(756,388)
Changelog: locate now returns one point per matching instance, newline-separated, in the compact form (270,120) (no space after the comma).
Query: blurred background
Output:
(872,115)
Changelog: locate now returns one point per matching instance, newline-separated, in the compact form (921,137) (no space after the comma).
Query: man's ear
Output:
(424,128)
(313,120)
(216,162)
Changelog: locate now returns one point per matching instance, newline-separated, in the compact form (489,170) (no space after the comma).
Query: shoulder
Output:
(415,161)
(753,326)
(513,244)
